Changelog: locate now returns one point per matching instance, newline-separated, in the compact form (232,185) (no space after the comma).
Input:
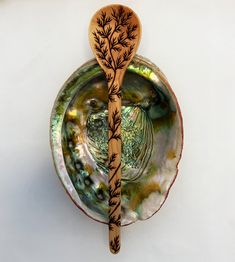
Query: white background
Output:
(41,44)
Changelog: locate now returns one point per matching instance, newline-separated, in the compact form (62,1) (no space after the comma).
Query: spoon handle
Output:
(114,152)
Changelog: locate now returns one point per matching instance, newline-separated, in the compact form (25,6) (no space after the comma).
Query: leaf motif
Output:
(108,77)
(115,244)
(111,160)
(111,36)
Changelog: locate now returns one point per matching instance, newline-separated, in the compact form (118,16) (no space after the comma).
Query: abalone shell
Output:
(152,137)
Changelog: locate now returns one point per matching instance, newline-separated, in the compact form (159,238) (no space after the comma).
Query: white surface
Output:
(41,44)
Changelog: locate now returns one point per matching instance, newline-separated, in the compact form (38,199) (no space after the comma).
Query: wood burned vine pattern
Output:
(114,45)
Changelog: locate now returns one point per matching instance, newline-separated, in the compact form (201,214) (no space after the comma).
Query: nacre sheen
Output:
(152,137)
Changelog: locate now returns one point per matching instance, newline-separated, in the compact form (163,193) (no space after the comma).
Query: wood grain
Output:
(114,36)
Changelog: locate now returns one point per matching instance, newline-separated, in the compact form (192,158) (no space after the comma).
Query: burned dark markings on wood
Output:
(113,43)
(114,125)
(115,244)
(114,34)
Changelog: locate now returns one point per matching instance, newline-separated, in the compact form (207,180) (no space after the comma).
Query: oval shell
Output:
(152,139)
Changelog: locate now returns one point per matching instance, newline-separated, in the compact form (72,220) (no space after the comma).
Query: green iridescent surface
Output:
(151,140)
(137,140)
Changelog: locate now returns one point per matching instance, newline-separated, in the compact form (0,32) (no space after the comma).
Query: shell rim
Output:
(162,77)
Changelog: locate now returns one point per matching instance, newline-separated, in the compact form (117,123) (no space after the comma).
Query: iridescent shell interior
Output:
(151,140)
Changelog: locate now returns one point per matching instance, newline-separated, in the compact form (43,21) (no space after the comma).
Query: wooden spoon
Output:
(114,35)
